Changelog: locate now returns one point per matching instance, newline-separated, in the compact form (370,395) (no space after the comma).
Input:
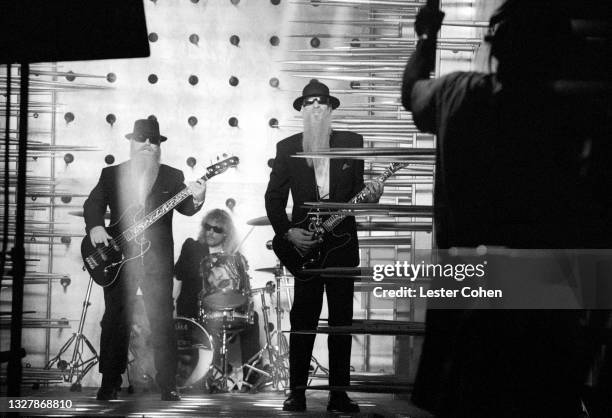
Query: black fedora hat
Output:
(312,89)
(146,128)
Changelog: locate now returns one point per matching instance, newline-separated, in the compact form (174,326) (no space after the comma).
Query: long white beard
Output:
(316,135)
(144,172)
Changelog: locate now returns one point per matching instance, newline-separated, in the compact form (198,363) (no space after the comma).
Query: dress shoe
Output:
(106,393)
(340,402)
(296,402)
(170,395)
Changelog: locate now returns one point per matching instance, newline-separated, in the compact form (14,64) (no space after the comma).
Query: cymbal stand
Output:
(279,370)
(281,340)
(77,367)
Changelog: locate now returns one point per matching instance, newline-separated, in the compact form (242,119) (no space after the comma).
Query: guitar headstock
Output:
(221,167)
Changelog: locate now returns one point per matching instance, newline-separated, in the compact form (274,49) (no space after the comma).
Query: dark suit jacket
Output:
(293,174)
(114,190)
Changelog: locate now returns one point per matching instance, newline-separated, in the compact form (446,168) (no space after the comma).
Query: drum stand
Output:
(279,368)
(77,366)
(221,383)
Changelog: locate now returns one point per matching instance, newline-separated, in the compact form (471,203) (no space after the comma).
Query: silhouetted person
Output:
(509,172)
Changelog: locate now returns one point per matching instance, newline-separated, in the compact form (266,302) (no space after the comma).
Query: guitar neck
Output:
(335,220)
(138,228)
(211,171)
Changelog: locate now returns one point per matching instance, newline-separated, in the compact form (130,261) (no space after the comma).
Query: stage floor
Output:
(266,403)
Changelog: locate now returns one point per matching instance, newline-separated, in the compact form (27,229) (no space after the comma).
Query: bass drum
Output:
(195,352)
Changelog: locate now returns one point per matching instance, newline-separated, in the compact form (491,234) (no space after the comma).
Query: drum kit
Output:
(225,311)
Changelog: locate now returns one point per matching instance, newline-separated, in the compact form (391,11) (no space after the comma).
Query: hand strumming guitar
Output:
(301,238)
(98,235)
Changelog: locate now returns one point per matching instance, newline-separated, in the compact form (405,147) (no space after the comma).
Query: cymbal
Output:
(273,270)
(262,221)
(80,213)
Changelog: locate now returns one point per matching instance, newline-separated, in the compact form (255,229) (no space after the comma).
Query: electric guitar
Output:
(323,231)
(105,263)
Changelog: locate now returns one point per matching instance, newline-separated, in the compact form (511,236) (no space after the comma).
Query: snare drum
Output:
(195,352)
(226,283)
(229,319)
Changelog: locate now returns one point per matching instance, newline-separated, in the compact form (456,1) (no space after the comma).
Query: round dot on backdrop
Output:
(68,158)
(191,162)
(273,123)
(194,38)
(152,78)
(66,199)
(192,121)
(69,76)
(233,121)
(193,80)
(68,117)
(111,119)
(315,42)
(271,162)
(153,37)
(234,40)
(274,40)
(355,43)
(233,81)
(274,82)
(109,159)
(111,77)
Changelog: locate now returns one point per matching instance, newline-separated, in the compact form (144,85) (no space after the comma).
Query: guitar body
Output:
(102,263)
(296,261)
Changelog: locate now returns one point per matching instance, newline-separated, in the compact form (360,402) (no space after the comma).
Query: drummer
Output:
(201,270)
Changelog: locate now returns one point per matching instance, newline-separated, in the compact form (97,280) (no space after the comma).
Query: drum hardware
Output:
(278,355)
(77,367)
(219,310)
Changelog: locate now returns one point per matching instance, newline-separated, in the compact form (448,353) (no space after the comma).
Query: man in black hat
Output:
(133,189)
(336,180)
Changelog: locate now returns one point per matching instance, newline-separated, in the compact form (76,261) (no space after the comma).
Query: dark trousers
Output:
(119,300)
(308,300)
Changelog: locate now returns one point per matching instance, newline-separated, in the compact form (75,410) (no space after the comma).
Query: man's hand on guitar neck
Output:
(375,191)
(98,235)
(301,238)
(198,190)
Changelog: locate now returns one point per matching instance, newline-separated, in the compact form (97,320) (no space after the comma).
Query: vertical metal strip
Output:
(14,366)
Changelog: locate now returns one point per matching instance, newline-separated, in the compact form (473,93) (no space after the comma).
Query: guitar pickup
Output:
(91,262)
